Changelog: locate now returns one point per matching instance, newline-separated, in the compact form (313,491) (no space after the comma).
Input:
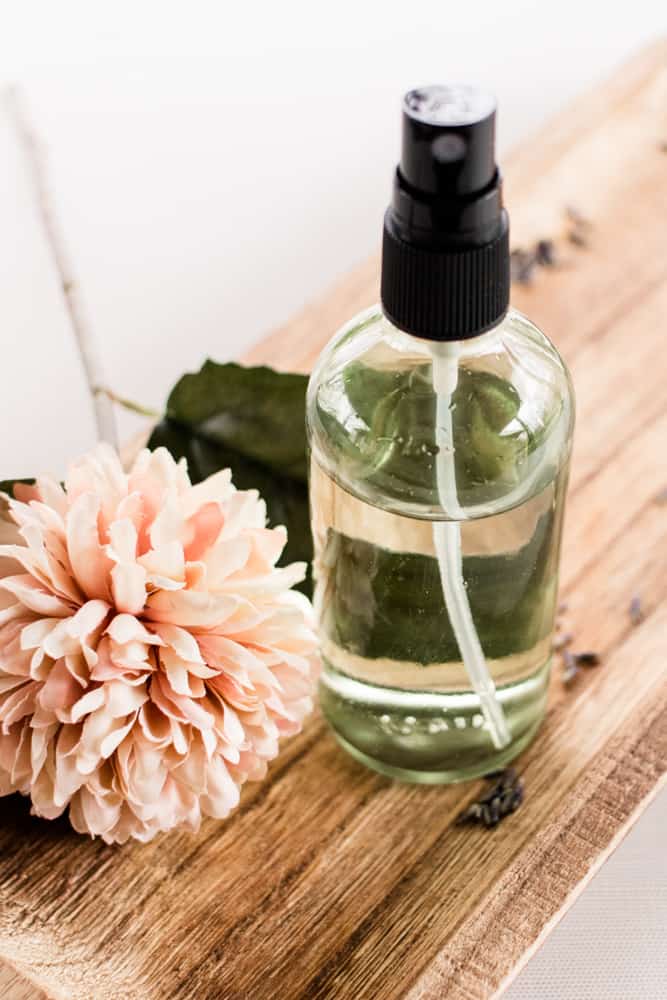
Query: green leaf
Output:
(257,412)
(251,420)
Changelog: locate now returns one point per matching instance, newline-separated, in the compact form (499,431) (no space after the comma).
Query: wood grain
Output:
(330,881)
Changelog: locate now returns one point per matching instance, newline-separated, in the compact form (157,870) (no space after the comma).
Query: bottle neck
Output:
(481,343)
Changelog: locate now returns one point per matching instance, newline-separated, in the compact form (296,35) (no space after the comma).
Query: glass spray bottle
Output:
(440,426)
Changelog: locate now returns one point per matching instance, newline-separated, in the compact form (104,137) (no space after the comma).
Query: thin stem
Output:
(128,404)
(85,340)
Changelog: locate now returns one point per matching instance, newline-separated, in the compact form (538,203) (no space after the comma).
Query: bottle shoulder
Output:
(377,394)
(371,337)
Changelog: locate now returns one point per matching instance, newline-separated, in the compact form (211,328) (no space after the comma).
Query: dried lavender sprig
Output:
(636,611)
(502,798)
(522,266)
(572,663)
(570,669)
(587,659)
(576,237)
(545,253)
(561,641)
(579,228)
(576,217)
(524,262)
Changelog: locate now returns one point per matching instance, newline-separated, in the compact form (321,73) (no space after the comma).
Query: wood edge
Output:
(29,987)
(578,889)
(428,985)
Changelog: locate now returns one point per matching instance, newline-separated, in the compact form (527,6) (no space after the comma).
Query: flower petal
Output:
(90,564)
(34,596)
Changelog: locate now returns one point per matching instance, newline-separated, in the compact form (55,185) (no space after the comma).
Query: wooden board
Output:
(330,881)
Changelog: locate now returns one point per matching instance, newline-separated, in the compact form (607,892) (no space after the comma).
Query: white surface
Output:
(217,165)
(611,945)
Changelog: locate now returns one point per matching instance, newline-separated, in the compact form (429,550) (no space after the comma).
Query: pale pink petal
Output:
(122,699)
(154,725)
(90,564)
(131,657)
(128,586)
(17,704)
(51,494)
(41,749)
(176,671)
(8,682)
(179,707)
(61,689)
(243,511)
(93,814)
(9,611)
(68,779)
(190,609)
(202,530)
(181,641)
(122,545)
(34,597)
(226,558)
(169,524)
(217,488)
(125,628)
(275,581)
(89,702)
(14,659)
(86,625)
(100,474)
(34,634)
(165,566)
(222,792)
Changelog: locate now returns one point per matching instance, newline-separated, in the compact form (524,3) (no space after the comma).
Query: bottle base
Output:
(429,738)
(450,777)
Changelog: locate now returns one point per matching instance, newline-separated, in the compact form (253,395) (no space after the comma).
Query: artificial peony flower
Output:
(151,653)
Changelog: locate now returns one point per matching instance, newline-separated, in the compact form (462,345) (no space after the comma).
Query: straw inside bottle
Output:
(447,542)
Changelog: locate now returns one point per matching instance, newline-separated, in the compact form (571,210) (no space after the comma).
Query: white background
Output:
(214,167)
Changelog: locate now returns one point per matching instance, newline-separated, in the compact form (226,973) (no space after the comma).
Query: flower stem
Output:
(83,335)
(127,404)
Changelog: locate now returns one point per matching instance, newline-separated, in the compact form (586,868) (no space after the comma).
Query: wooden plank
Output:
(330,880)
(13,986)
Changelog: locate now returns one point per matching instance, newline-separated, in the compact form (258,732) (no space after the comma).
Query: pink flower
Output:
(151,653)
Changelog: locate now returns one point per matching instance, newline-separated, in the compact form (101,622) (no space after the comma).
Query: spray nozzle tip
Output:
(440,105)
(448,140)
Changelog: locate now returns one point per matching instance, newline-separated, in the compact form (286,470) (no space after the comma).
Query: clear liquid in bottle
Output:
(394,688)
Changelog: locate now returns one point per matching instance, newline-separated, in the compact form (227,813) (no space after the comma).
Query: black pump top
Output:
(445,262)
(448,140)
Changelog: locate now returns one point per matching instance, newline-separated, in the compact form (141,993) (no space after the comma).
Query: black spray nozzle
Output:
(448,140)
(445,271)
(447,185)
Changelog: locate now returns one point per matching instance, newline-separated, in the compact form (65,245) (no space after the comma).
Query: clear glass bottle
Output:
(394,687)
(438,476)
